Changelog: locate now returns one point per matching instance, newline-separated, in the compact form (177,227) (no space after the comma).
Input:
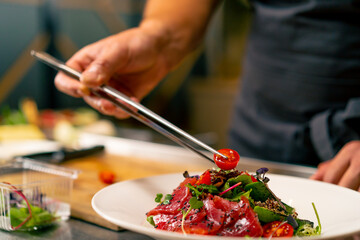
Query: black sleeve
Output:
(332,129)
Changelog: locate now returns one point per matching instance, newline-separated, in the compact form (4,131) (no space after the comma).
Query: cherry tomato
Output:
(252,177)
(272,229)
(107,176)
(205,178)
(230,162)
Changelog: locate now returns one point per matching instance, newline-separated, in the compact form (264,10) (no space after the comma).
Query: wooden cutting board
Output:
(125,168)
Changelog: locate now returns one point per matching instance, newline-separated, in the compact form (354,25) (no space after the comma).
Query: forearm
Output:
(178,26)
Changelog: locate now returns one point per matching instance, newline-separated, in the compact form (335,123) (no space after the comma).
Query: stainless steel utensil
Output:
(141,113)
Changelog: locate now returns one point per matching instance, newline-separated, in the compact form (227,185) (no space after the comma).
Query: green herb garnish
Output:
(197,191)
(166,200)
(194,204)
(306,228)
(150,219)
(158,197)
(318,227)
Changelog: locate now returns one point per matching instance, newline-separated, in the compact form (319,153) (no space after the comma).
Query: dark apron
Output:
(299,100)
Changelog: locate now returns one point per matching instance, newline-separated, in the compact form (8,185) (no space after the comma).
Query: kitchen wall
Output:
(197,96)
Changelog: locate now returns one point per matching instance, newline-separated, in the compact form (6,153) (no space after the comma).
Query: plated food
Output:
(125,203)
(228,202)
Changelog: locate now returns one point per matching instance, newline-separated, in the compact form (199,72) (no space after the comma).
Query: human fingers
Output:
(100,104)
(320,172)
(70,85)
(343,169)
(104,64)
(340,163)
(106,107)
(351,177)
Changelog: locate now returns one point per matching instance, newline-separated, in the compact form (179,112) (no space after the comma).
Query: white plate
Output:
(126,203)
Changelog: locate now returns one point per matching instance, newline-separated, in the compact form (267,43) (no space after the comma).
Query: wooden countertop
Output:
(125,168)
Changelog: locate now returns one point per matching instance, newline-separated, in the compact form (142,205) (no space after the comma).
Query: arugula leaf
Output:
(244,179)
(209,188)
(237,196)
(199,190)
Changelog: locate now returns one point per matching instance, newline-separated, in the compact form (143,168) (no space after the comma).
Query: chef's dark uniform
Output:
(299,100)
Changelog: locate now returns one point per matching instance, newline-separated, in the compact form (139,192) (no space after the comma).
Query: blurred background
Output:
(197,96)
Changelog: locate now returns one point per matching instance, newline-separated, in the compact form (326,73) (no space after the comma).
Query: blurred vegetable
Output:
(30,111)
(38,218)
(27,216)
(65,133)
(107,176)
(20,132)
(12,117)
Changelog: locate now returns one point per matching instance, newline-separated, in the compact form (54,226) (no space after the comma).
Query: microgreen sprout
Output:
(194,204)
(166,200)
(158,197)
(318,228)
(307,229)
(260,174)
(150,219)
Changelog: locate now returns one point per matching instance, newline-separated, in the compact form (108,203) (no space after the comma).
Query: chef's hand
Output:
(343,169)
(133,62)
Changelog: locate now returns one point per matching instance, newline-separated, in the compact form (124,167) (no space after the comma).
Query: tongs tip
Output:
(220,154)
(33,53)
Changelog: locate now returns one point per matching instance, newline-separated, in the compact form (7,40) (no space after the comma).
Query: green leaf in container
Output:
(17,216)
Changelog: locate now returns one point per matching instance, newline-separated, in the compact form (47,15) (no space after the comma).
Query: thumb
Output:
(102,68)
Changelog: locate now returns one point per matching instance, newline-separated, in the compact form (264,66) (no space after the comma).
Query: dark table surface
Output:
(73,229)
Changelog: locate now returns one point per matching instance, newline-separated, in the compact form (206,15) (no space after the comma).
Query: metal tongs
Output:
(141,113)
